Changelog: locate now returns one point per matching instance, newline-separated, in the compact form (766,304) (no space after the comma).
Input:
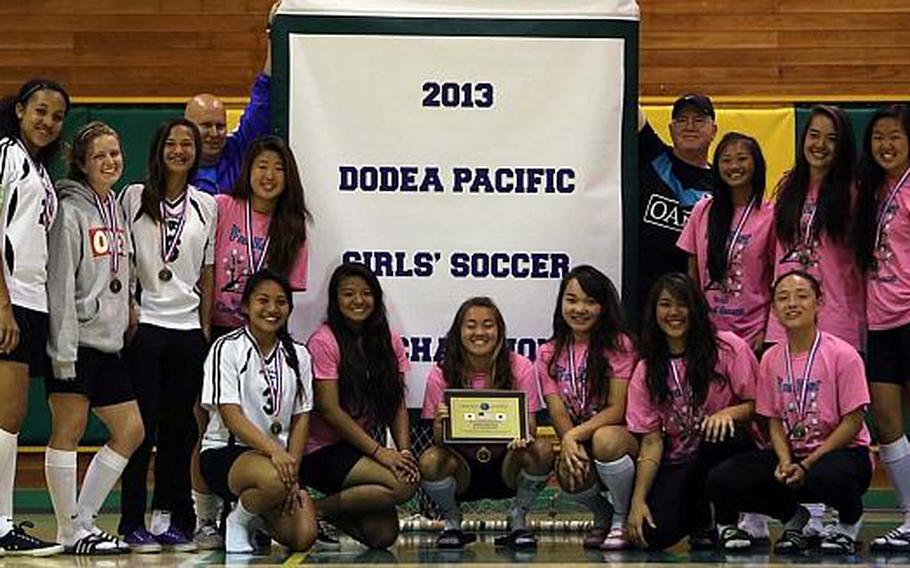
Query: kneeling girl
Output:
(477,357)
(258,392)
(690,399)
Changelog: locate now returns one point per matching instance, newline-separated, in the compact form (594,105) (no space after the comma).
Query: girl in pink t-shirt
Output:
(813,392)
(729,238)
(812,219)
(584,372)
(690,400)
(882,234)
(358,386)
(261,223)
(476,357)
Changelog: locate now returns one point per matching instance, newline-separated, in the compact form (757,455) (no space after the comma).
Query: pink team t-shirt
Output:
(735,361)
(573,390)
(231,265)
(888,281)
(326,359)
(837,386)
(522,369)
(741,302)
(844,310)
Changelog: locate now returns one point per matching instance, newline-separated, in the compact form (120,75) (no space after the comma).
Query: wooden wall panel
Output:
(784,49)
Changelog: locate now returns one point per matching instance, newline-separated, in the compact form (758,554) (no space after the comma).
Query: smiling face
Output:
(890,147)
(580,311)
(103,163)
(796,302)
(267,308)
(480,332)
(355,300)
(267,176)
(692,131)
(736,165)
(672,316)
(41,119)
(821,143)
(179,151)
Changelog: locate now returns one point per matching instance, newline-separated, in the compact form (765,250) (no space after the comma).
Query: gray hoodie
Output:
(83,309)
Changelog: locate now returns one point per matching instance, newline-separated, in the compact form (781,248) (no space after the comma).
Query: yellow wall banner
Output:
(773,128)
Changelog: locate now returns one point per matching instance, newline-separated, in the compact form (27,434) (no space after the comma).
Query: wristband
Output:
(376,449)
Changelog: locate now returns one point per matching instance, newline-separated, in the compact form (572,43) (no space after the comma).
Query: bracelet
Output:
(376,449)
(643,459)
(408,450)
(803,467)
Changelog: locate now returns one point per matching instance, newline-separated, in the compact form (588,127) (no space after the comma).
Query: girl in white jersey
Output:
(88,297)
(30,125)
(172,225)
(258,390)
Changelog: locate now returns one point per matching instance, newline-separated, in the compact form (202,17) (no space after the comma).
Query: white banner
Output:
(458,165)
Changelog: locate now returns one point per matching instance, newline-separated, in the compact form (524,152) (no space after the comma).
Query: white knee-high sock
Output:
(60,474)
(237,529)
(528,487)
(896,459)
(9,445)
(102,474)
(442,493)
(618,476)
(208,508)
(592,500)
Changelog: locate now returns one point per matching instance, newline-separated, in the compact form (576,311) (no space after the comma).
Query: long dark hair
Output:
(454,362)
(287,342)
(156,183)
(720,215)
(701,354)
(607,333)
(833,207)
(9,122)
(369,383)
(871,179)
(81,145)
(287,231)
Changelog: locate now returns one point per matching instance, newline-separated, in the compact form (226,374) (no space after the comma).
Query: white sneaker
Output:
(755,525)
(237,537)
(895,540)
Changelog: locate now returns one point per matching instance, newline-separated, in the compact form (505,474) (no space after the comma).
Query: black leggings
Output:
(677,499)
(746,483)
(166,367)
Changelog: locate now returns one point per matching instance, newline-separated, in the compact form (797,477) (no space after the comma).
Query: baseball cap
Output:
(700,102)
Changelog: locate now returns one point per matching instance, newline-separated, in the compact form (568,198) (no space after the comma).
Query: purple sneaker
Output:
(174,539)
(141,541)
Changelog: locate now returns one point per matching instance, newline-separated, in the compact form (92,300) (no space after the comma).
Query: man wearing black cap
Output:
(672,180)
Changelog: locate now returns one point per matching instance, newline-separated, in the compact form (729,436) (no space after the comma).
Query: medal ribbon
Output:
(880,222)
(687,415)
(579,391)
(274,385)
(254,264)
(739,229)
(168,251)
(804,391)
(109,218)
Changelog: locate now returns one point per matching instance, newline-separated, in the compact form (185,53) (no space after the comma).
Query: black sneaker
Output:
(17,542)
(791,541)
(326,537)
(734,539)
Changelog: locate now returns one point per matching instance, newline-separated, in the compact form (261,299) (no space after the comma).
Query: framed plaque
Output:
(485,416)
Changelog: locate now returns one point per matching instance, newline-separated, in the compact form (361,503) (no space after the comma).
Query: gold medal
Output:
(275,428)
(165,274)
(115,285)
(798,431)
(483,454)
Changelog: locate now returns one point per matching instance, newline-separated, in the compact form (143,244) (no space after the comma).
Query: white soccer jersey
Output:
(29,206)
(171,302)
(236,373)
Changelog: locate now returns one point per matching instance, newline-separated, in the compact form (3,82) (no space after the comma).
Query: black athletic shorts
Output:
(103,378)
(888,355)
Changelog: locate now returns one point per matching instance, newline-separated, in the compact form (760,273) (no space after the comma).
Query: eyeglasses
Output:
(697,121)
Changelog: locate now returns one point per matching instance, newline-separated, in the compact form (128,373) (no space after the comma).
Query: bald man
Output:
(222,152)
